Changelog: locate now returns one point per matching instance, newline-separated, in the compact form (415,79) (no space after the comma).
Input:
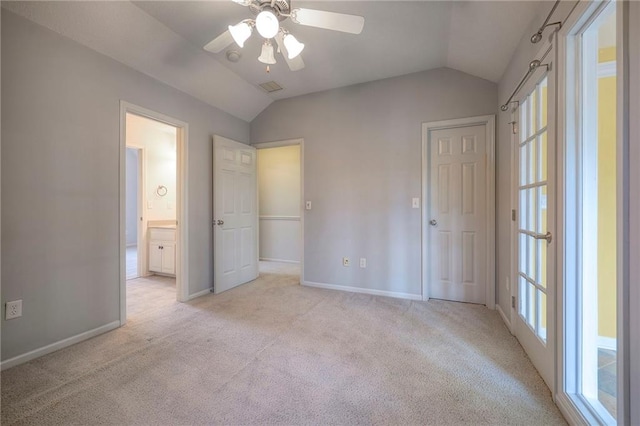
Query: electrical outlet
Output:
(13,309)
(346,261)
(363,262)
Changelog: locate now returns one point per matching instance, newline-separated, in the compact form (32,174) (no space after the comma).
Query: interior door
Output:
(235,214)
(458,207)
(534,324)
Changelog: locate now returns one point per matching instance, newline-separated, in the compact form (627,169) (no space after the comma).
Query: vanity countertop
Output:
(162,224)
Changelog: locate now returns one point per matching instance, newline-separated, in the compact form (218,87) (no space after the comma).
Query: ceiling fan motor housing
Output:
(280,8)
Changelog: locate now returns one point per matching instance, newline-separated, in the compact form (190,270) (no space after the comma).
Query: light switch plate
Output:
(307,205)
(415,203)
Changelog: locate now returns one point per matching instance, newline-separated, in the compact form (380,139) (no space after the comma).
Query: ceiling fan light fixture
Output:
(240,32)
(294,47)
(267,56)
(267,24)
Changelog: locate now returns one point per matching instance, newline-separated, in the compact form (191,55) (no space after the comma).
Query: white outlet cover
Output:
(363,262)
(13,309)
(346,261)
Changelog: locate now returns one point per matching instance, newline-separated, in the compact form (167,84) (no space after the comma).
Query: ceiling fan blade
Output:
(295,64)
(243,2)
(328,20)
(219,43)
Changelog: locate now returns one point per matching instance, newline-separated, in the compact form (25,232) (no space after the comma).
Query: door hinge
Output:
(513,215)
(513,302)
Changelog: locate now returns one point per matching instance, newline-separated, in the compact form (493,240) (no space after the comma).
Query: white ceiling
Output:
(164,39)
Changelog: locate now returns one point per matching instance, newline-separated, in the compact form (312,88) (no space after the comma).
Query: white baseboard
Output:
(199,294)
(267,259)
(607,343)
(36,353)
(395,294)
(569,410)
(506,320)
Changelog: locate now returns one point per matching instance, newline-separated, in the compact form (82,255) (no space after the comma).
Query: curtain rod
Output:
(536,63)
(533,66)
(538,35)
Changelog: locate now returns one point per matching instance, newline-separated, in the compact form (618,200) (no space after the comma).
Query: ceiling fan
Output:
(268,16)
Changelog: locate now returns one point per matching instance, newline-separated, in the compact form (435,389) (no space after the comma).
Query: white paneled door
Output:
(457,215)
(235,218)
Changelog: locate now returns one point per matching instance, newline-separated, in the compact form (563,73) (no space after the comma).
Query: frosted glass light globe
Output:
(267,24)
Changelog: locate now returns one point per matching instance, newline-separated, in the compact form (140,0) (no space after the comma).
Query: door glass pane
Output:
(531,305)
(543,157)
(533,257)
(543,103)
(541,213)
(532,125)
(532,171)
(523,253)
(524,120)
(522,296)
(523,208)
(542,315)
(532,222)
(542,265)
(523,165)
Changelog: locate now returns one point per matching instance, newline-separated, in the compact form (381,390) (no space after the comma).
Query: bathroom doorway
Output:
(153,232)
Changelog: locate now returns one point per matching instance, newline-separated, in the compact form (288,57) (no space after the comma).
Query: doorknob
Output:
(220,222)
(433,222)
(546,236)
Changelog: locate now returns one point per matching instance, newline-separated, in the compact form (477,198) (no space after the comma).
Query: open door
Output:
(235,218)
(534,293)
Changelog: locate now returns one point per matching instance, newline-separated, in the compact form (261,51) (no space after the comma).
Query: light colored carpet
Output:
(274,352)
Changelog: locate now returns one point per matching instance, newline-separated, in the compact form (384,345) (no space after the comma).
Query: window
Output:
(591,214)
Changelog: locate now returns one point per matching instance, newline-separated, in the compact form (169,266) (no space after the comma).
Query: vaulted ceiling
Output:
(164,39)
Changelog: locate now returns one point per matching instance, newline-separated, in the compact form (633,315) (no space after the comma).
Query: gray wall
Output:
(362,166)
(60,153)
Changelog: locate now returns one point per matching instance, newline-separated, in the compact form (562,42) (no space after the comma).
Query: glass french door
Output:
(534,299)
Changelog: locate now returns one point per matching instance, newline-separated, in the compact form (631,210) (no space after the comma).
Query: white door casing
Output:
(235,217)
(458,210)
(182,213)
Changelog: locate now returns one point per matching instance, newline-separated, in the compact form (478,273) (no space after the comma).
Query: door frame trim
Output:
(489,121)
(278,144)
(182,231)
